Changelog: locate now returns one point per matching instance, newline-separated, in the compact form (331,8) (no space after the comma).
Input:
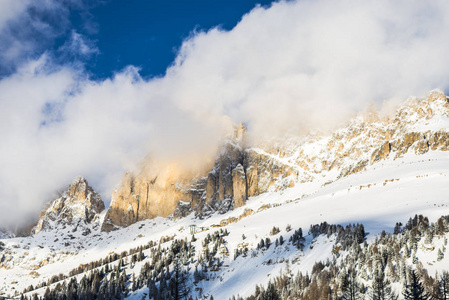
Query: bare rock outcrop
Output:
(381,153)
(77,209)
(219,189)
(240,192)
(168,190)
(150,193)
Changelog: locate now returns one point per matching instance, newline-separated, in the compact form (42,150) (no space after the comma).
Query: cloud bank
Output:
(30,27)
(297,65)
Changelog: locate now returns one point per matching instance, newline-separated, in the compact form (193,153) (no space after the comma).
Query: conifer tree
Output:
(414,290)
(381,289)
(178,282)
(443,287)
(47,294)
(351,286)
(271,293)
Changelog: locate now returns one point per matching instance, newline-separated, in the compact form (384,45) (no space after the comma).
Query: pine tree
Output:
(397,228)
(414,290)
(351,287)
(133,283)
(196,275)
(95,283)
(381,289)
(47,294)
(141,255)
(103,290)
(443,285)
(261,245)
(271,293)
(436,292)
(440,255)
(178,282)
(152,289)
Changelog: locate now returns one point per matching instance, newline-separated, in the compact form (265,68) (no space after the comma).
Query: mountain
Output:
(281,218)
(153,191)
(78,209)
(241,171)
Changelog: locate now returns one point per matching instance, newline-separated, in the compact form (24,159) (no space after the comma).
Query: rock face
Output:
(239,172)
(147,195)
(240,190)
(163,191)
(220,183)
(77,209)
(419,125)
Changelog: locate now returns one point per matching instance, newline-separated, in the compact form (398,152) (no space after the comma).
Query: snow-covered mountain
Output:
(241,171)
(376,172)
(78,209)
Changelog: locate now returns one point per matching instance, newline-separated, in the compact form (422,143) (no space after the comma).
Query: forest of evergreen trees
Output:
(384,269)
(383,264)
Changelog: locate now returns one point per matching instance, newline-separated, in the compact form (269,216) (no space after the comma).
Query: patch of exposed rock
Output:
(148,194)
(163,191)
(238,173)
(77,209)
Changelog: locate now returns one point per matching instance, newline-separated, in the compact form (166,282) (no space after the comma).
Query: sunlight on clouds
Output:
(301,65)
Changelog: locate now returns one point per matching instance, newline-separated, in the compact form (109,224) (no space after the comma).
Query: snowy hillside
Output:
(379,197)
(350,177)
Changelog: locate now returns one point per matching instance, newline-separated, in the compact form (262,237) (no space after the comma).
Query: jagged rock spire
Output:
(79,206)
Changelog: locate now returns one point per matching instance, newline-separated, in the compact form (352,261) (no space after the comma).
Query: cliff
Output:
(157,190)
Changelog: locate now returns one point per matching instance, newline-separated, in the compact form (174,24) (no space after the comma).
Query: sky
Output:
(145,34)
(92,87)
(148,34)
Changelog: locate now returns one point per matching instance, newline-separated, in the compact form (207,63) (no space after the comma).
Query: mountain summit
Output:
(77,209)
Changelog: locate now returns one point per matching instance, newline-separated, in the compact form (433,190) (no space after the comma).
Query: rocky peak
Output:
(77,209)
(239,172)
(239,133)
(419,125)
(165,190)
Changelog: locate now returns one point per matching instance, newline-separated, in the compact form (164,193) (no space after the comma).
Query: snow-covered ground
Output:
(387,192)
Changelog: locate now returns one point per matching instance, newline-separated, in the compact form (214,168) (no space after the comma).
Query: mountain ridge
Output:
(243,171)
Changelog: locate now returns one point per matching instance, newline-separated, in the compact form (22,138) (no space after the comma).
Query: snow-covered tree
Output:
(414,289)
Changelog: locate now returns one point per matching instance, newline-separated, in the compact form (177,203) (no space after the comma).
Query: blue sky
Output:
(143,33)
(147,34)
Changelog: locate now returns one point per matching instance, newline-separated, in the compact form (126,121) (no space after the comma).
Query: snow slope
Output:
(380,196)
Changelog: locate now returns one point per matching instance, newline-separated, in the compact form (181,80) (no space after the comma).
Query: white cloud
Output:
(28,28)
(10,10)
(79,45)
(301,64)
(56,125)
(308,62)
